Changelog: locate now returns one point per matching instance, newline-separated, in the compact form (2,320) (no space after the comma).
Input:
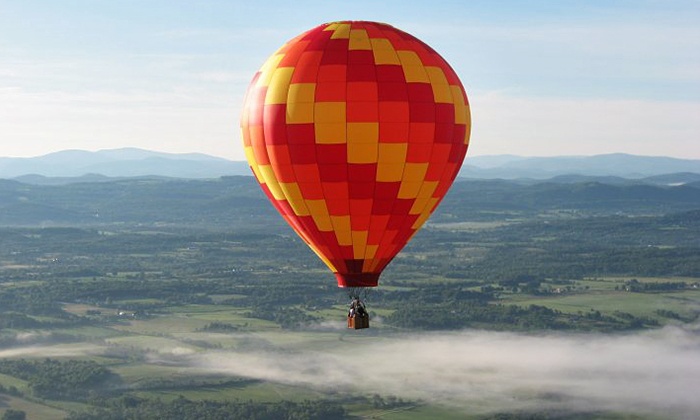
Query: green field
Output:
(600,295)
(33,410)
(153,355)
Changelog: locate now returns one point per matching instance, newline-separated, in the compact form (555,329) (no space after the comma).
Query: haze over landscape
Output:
(473,371)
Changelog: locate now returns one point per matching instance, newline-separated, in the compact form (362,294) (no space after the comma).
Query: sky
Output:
(544,78)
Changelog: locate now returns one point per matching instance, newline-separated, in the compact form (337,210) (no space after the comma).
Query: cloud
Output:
(190,120)
(615,49)
(225,76)
(60,350)
(541,126)
(27,337)
(653,372)
(649,373)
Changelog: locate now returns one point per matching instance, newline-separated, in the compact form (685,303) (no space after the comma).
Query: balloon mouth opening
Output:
(357,279)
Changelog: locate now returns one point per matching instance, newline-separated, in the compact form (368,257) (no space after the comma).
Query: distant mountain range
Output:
(66,166)
(615,165)
(128,162)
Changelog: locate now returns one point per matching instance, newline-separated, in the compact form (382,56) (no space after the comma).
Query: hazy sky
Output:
(544,77)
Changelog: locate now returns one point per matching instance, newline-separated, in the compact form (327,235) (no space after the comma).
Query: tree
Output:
(11,414)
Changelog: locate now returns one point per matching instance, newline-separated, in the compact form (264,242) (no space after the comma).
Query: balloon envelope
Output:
(355,131)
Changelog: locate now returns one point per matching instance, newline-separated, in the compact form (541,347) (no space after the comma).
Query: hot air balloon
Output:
(355,131)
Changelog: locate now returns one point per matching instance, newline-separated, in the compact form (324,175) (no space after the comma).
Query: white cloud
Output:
(225,76)
(182,120)
(200,120)
(59,350)
(613,38)
(533,126)
(654,372)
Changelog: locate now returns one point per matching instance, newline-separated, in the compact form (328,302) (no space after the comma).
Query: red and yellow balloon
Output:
(355,131)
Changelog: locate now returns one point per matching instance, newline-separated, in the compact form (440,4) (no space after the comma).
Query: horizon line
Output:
(466,160)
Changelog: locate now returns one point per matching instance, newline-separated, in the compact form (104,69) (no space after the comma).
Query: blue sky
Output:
(543,77)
